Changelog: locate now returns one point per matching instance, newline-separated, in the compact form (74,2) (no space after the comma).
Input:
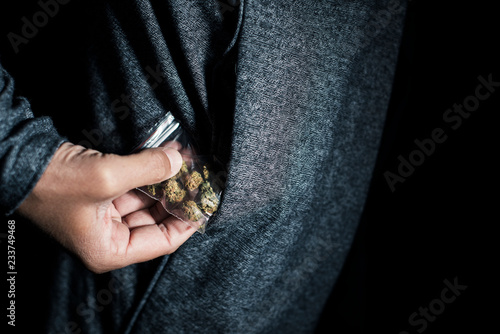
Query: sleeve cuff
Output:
(25,160)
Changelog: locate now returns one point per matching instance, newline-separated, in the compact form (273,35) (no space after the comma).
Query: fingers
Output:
(133,200)
(106,176)
(135,245)
(83,199)
(146,167)
(148,216)
(139,218)
(151,241)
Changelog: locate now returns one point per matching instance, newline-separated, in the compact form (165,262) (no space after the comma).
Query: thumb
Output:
(149,166)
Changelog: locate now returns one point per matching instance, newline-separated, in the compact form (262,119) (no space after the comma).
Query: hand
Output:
(84,200)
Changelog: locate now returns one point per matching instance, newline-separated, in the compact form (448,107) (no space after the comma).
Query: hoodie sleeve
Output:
(27,144)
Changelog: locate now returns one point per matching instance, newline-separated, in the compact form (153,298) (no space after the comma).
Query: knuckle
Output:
(96,269)
(172,250)
(103,180)
(95,263)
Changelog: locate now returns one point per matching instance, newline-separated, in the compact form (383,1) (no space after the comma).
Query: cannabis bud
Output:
(209,201)
(190,191)
(191,195)
(153,189)
(193,180)
(191,211)
(173,191)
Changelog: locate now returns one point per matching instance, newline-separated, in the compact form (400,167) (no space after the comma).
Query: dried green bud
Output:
(205,173)
(193,180)
(209,201)
(191,211)
(173,192)
(154,188)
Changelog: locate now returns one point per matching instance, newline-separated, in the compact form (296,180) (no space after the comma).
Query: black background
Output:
(439,224)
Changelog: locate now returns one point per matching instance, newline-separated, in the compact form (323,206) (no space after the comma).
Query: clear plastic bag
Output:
(193,194)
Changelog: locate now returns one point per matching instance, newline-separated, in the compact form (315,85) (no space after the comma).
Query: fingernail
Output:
(175,159)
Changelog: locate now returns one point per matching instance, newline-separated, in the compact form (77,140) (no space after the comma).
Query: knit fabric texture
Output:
(290,96)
